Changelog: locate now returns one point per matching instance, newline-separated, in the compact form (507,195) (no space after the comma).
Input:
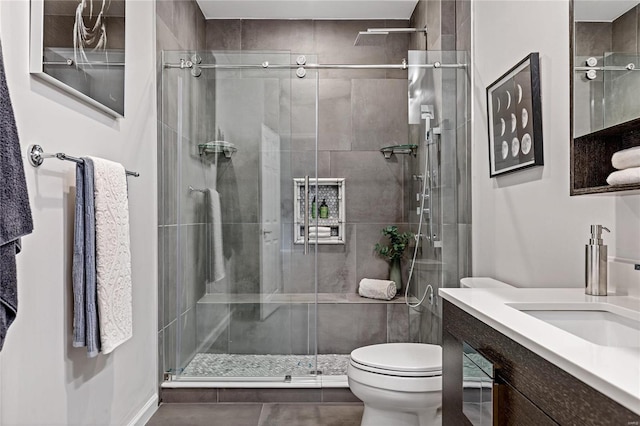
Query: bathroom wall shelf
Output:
(333,191)
(217,147)
(591,158)
(388,151)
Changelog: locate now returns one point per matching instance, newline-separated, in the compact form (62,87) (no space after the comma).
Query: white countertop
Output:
(614,371)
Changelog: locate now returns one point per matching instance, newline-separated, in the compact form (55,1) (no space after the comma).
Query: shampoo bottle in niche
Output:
(596,263)
(324,209)
(313,208)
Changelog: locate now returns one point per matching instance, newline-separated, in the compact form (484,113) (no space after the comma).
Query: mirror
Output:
(78,46)
(606,64)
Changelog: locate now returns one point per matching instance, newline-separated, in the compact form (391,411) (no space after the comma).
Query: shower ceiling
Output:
(307,9)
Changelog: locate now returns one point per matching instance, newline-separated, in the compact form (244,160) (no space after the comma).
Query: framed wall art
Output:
(78,46)
(515,118)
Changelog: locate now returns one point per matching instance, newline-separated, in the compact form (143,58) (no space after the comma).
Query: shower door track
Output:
(267,65)
(312,382)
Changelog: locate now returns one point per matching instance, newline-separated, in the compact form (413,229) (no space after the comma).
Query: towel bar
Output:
(37,156)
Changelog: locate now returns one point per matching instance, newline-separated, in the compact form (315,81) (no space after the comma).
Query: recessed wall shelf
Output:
(332,190)
(591,158)
(388,151)
(217,147)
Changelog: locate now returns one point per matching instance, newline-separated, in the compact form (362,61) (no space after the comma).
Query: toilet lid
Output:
(417,359)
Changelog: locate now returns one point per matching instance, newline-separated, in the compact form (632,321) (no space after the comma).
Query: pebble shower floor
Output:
(232,365)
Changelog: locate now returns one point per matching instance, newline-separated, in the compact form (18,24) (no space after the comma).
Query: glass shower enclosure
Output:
(242,240)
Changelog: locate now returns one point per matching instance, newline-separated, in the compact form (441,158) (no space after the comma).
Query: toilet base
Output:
(376,417)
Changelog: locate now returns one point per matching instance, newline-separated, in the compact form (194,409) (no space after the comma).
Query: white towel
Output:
(319,229)
(624,177)
(626,158)
(216,265)
(377,289)
(319,234)
(113,255)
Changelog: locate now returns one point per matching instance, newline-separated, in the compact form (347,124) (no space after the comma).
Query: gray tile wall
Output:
(359,112)
(449,28)
(179,26)
(342,327)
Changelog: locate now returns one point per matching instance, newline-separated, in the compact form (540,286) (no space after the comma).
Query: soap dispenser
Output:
(596,263)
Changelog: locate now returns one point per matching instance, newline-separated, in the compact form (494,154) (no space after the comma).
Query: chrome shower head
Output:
(378,36)
(370,38)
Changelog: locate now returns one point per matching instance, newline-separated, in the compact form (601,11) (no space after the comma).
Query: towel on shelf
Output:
(15,211)
(626,158)
(85,311)
(319,229)
(377,289)
(624,177)
(320,234)
(216,251)
(113,255)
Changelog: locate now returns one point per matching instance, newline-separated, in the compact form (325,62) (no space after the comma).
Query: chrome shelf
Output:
(217,147)
(388,151)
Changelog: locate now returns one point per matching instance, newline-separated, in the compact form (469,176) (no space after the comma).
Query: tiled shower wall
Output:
(179,26)
(360,112)
(449,28)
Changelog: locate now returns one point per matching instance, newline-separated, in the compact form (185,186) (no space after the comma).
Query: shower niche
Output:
(328,193)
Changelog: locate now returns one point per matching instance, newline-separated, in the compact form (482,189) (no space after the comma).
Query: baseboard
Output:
(144,414)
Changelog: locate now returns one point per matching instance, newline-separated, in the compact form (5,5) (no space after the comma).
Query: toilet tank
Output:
(482,282)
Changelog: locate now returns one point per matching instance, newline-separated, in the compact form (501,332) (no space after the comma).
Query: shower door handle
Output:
(306,215)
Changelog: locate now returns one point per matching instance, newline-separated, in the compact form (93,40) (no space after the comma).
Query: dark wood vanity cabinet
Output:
(527,390)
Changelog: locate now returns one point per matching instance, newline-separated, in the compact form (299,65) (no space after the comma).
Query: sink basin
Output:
(600,323)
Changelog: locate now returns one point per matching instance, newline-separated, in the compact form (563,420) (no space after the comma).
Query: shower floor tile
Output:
(232,365)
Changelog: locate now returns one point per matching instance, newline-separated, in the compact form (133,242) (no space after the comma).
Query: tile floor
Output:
(256,414)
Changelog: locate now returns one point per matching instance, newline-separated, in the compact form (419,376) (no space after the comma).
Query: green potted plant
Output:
(394,251)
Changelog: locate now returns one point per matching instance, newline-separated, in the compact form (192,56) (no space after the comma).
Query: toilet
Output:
(400,384)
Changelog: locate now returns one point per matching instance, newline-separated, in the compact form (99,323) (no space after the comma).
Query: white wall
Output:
(526,228)
(45,380)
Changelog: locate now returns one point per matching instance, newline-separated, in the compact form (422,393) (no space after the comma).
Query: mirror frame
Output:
(572,42)
(36,66)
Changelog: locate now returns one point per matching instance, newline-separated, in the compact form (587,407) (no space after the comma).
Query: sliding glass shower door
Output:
(231,302)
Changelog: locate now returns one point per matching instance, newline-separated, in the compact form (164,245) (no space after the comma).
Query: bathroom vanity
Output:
(545,357)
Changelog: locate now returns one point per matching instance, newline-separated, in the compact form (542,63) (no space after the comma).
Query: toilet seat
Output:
(399,359)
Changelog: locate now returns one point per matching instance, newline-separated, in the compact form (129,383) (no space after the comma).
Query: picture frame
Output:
(79,48)
(514,110)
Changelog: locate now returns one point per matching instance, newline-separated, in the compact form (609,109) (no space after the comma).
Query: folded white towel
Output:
(377,289)
(319,234)
(113,255)
(626,158)
(624,177)
(319,229)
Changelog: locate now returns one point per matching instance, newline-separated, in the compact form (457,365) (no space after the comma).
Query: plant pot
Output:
(395,273)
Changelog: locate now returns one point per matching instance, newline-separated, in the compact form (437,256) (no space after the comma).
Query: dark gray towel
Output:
(15,212)
(85,313)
